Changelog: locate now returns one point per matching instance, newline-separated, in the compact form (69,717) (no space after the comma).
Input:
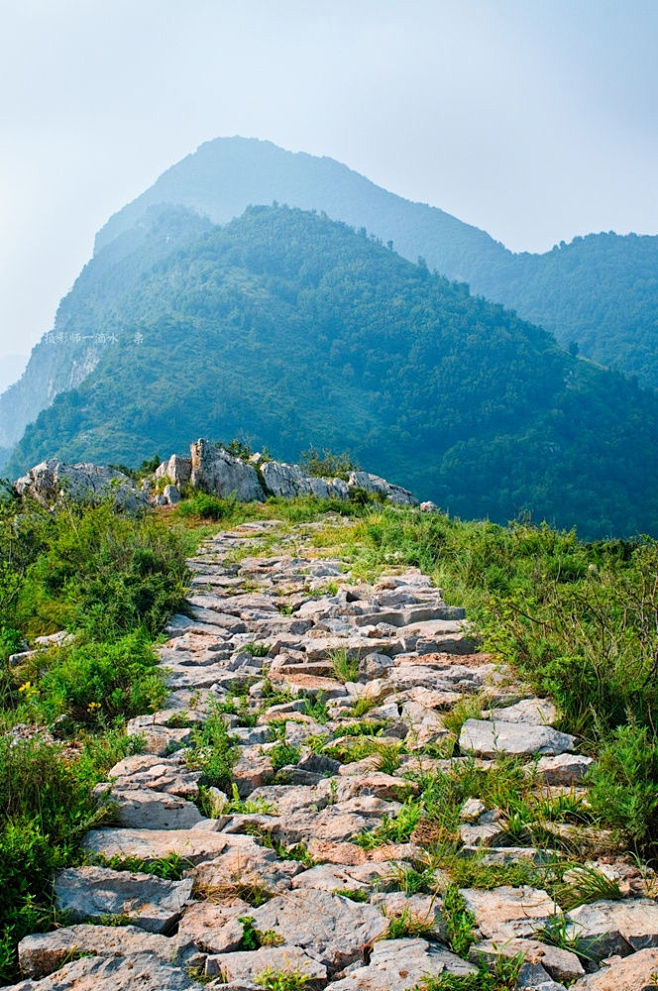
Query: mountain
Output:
(87,321)
(599,292)
(289,329)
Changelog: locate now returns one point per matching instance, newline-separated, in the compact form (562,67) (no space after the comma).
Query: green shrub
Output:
(104,573)
(203,506)
(95,683)
(324,464)
(46,806)
(345,668)
(214,753)
(624,785)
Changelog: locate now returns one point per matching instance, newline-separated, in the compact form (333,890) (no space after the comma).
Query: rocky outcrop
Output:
(222,474)
(51,481)
(177,469)
(210,468)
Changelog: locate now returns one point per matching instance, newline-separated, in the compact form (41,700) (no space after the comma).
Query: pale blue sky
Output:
(534,119)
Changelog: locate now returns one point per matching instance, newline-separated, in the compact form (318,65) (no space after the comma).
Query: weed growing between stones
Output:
(503,977)
(173,867)
(292,980)
(345,668)
(213,752)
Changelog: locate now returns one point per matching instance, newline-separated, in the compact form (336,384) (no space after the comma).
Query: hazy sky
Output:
(534,119)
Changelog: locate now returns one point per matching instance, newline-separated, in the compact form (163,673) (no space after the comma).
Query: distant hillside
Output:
(289,329)
(87,318)
(599,292)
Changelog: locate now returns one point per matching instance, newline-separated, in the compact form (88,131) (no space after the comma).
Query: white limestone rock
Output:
(150,902)
(216,471)
(487,738)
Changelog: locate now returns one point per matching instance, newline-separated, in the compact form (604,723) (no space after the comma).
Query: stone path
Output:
(280,878)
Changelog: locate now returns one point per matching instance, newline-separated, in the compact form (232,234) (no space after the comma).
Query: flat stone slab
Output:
(532,711)
(249,965)
(616,927)
(42,953)
(334,877)
(213,928)
(159,774)
(508,912)
(147,809)
(333,929)
(246,862)
(486,738)
(194,845)
(401,964)
(125,973)
(150,902)
(563,769)
(632,973)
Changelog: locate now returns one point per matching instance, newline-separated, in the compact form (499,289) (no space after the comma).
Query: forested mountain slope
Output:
(86,321)
(600,291)
(289,329)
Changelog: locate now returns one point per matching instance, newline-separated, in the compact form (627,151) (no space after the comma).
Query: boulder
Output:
(194,844)
(216,471)
(616,927)
(53,480)
(250,964)
(171,494)
(507,912)
(286,481)
(379,486)
(42,953)
(563,769)
(213,928)
(333,929)
(178,470)
(633,973)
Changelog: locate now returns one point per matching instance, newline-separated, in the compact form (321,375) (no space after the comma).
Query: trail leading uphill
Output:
(303,787)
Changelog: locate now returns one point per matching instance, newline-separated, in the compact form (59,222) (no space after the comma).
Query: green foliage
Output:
(501,977)
(345,668)
(291,980)
(213,752)
(256,649)
(203,506)
(354,894)
(624,785)
(103,573)
(253,939)
(586,885)
(408,925)
(173,867)
(283,754)
(45,808)
(95,683)
(324,464)
(459,922)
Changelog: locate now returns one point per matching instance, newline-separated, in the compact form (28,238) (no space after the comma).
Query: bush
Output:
(104,573)
(624,785)
(95,683)
(203,506)
(46,806)
(324,464)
